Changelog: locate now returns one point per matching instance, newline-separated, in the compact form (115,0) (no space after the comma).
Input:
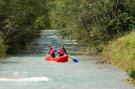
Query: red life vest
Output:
(50,51)
(61,51)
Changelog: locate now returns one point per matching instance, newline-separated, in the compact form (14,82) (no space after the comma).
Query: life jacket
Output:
(51,51)
(61,51)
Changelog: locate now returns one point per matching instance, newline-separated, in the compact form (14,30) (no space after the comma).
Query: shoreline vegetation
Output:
(20,23)
(121,52)
(106,26)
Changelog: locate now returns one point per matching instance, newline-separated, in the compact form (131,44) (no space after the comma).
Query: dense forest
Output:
(20,22)
(92,22)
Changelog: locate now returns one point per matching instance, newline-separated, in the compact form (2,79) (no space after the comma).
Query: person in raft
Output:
(62,50)
(51,51)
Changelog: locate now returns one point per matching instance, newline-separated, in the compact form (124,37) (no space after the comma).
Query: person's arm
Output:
(48,51)
(51,51)
(65,51)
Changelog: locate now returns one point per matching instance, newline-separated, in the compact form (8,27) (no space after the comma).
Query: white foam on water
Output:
(31,79)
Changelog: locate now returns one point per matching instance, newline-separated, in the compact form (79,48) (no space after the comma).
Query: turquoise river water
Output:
(29,70)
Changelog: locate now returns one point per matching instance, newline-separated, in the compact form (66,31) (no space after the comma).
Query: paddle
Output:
(74,60)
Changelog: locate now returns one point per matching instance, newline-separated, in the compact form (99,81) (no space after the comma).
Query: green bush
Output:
(19,39)
(131,73)
(2,48)
(120,25)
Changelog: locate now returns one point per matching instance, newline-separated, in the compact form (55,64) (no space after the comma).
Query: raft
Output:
(63,58)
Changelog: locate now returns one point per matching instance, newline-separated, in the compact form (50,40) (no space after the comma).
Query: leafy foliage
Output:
(21,22)
(131,73)
(91,21)
(2,47)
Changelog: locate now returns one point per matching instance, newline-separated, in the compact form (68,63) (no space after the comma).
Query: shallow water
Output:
(30,71)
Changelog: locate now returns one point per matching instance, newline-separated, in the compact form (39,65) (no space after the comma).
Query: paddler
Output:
(51,51)
(62,51)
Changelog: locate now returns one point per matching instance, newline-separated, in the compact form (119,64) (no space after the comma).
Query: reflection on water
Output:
(29,70)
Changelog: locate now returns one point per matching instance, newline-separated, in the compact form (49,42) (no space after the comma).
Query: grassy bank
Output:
(121,52)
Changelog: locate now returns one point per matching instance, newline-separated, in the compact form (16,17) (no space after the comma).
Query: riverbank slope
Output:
(121,52)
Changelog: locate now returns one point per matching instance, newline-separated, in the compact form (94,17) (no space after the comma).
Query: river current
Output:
(29,70)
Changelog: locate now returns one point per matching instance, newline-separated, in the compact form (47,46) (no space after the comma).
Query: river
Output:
(29,70)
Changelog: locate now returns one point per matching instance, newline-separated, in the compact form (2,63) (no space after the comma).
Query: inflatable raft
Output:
(63,58)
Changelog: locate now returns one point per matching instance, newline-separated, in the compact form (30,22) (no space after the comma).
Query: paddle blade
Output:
(75,60)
